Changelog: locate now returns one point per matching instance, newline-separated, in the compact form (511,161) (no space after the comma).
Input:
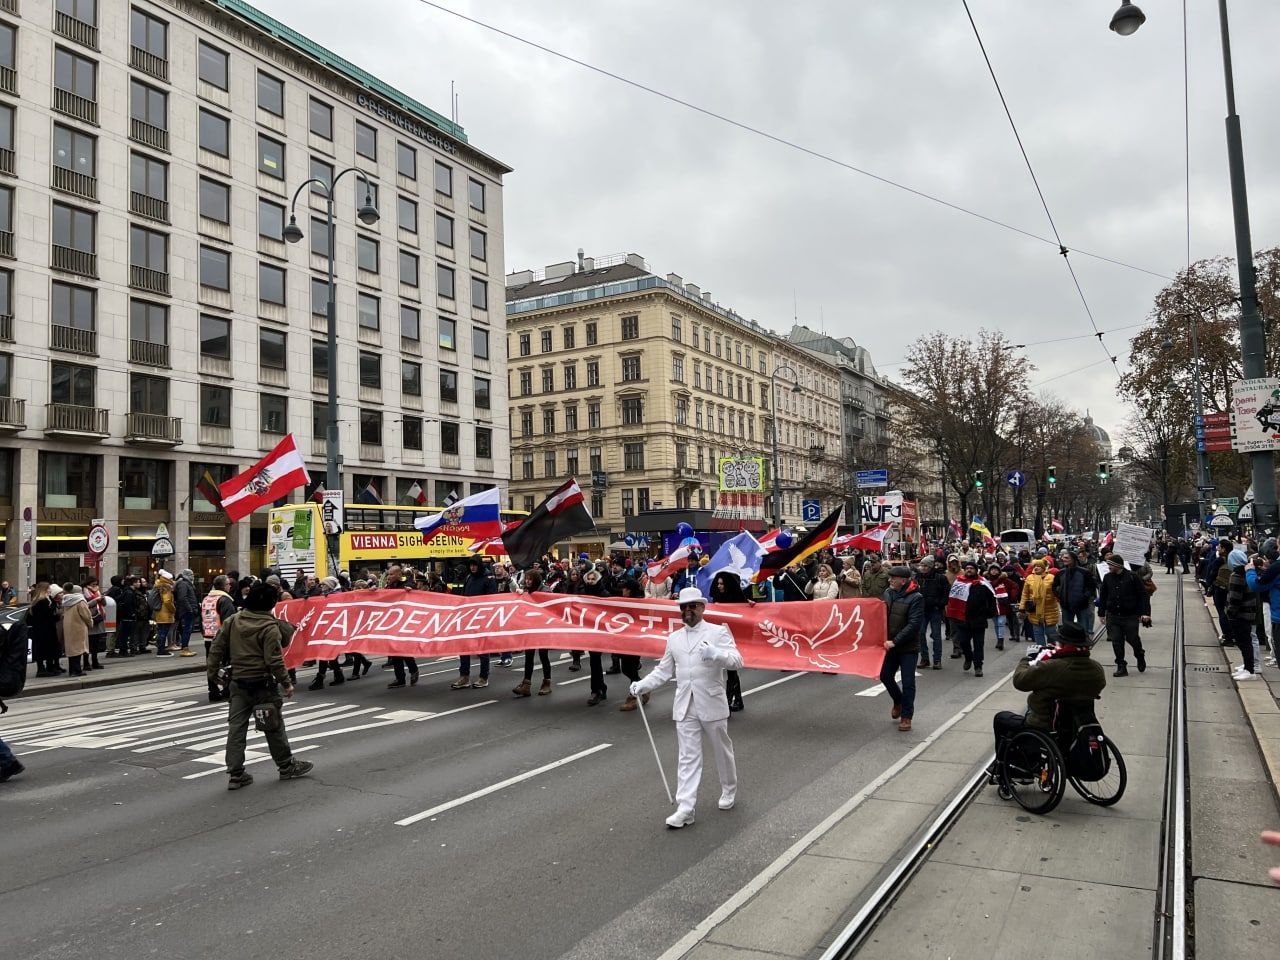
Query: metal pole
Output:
(666,785)
(777,482)
(1253,343)
(1202,456)
(331,480)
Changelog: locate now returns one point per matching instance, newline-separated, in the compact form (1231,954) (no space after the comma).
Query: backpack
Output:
(1088,759)
(13,658)
(154,600)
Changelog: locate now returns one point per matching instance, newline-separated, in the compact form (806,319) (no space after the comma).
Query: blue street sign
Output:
(629,539)
(1016,478)
(873,478)
(811,511)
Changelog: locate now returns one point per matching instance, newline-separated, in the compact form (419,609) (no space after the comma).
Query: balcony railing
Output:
(74,261)
(6,244)
(450,461)
(149,63)
(68,26)
(153,428)
(64,101)
(149,134)
(8,162)
(71,181)
(153,281)
(152,354)
(71,418)
(214,436)
(73,340)
(6,327)
(148,206)
(13,413)
(9,80)
(9,6)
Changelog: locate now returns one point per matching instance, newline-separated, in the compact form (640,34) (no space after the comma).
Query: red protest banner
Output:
(839,636)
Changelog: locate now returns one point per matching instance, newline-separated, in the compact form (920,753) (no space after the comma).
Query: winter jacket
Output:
(1267,582)
(788,585)
(850,583)
(42,627)
(820,589)
(185,602)
(253,643)
(1123,595)
(875,582)
(1075,587)
(934,588)
(972,601)
(1057,678)
(905,611)
(168,609)
(76,621)
(478,584)
(126,599)
(1038,602)
(1242,603)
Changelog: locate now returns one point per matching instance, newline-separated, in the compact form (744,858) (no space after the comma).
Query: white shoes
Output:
(726,801)
(1242,674)
(681,818)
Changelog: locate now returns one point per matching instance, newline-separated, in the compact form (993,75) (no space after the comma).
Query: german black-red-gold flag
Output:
(208,489)
(561,515)
(813,541)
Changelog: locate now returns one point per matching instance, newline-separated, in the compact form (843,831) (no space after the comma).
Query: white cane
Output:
(665,784)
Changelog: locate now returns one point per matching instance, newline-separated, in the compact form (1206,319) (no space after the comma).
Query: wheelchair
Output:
(1033,767)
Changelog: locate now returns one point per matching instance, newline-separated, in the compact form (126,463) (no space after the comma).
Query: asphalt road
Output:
(122,841)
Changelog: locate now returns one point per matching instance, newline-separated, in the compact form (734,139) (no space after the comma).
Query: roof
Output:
(334,62)
(576,281)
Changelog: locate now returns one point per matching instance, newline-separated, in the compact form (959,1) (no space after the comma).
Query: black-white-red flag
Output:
(562,515)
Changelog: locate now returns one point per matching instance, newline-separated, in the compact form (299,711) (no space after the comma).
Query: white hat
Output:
(691,595)
(166,575)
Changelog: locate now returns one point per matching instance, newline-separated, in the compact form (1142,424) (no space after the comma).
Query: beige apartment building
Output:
(643,382)
(154,323)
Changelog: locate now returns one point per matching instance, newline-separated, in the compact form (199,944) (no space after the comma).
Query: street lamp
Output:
(368,215)
(777,481)
(1253,340)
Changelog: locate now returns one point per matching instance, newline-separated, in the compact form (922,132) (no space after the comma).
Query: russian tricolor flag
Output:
(476,516)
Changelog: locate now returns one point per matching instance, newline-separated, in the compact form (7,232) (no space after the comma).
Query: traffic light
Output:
(1104,471)
(977,479)
(1053,476)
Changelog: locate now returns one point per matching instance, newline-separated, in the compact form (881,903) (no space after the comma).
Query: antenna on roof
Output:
(453,103)
(822,321)
(795,310)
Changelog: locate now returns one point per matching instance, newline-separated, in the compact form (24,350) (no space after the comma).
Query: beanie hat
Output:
(1237,558)
(900,572)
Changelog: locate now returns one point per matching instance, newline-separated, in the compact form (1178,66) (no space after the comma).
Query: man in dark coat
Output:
(1123,604)
(478,584)
(904,606)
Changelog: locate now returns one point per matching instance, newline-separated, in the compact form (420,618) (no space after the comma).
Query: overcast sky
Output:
(898,89)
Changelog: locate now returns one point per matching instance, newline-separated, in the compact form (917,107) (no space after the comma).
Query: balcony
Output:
(152,281)
(80,108)
(214,436)
(75,261)
(6,244)
(686,475)
(145,205)
(149,63)
(151,354)
(371,451)
(148,134)
(85,34)
(153,428)
(13,414)
(69,419)
(75,183)
(8,162)
(9,81)
(73,340)
(6,328)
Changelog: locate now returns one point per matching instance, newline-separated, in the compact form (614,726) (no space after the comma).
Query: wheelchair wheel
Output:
(1033,771)
(1110,788)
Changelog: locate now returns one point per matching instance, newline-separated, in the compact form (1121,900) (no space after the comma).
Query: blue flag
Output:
(741,555)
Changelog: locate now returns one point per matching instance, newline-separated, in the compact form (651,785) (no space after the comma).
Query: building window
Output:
(706,340)
(149,34)
(320,171)
(215,406)
(630,368)
(366,140)
(271,284)
(475,195)
(593,416)
(215,133)
(406,160)
(71,384)
(370,370)
(749,398)
(367,253)
(408,269)
(320,359)
(595,459)
(630,328)
(717,344)
(675,329)
(148,249)
(448,437)
(270,220)
(72,227)
(682,412)
(548,463)
(448,386)
(526,470)
(215,268)
(628,503)
(270,94)
(524,345)
(444,281)
(321,115)
(212,65)
(448,334)
(548,380)
(484,443)
(549,422)
(571,417)
(571,461)
(632,411)
(371,427)
(593,373)
(368,309)
(569,336)
(319,234)
(480,343)
(271,349)
(150,106)
(215,201)
(365,189)
(479,247)
(633,456)
(410,378)
(597,503)
(642,499)
(682,456)
(444,179)
(697,375)
(526,423)
(571,376)
(406,215)
(479,294)
(72,73)
(526,382)
(319,297)
(412,432)
(483,393)
(148,322)
(410,323)
(149,178)
(545,340)
(592,335)
(271,157)
(215,337)
(677,369)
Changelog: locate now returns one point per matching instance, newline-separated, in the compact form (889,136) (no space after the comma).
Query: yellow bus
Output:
(373,534)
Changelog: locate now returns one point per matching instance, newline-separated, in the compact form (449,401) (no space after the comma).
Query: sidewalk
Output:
(1080,882)
(117,670)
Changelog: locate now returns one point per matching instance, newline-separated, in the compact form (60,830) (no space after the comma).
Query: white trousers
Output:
(689,733)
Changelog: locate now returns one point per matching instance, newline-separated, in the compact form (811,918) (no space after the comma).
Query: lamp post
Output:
(1253,341)
(777,481)
(368,215)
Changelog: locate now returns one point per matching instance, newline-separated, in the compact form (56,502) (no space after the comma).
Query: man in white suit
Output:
(698,656)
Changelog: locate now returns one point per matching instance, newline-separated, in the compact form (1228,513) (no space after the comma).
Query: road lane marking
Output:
(221,769)
(773,683)
(202,745)
(510,781)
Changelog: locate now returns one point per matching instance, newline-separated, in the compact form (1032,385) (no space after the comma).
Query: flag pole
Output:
(665,784)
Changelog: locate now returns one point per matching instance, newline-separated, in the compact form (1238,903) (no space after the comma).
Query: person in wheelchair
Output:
(1061,672)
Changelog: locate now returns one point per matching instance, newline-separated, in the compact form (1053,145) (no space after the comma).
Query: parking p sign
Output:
(811,511)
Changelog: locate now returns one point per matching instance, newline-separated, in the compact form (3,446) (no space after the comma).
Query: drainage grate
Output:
(1205,668)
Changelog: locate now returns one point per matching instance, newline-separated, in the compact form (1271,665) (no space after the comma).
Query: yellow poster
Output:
(741,474)
(401,545)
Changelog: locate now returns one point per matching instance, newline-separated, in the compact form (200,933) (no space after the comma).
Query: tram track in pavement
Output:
(1172,937)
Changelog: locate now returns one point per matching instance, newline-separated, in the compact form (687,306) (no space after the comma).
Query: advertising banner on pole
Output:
(1257,414)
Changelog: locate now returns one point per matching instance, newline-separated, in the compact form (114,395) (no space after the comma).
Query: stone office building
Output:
(154,322)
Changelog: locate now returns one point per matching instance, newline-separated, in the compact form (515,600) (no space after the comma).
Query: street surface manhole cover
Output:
(1205,668)
(160,758)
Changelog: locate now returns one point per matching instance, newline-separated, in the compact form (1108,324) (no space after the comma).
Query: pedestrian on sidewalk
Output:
(1076,589)
(697,656)
(126,616)
(97,603)
(42,626)
(76,621)
(187,609)
(13,677)
(1263,576)
(1242,614)
(164,611)
(1217,576)
(1124,605)
(1039,604)
(904,604)
(252,642)
(971,604)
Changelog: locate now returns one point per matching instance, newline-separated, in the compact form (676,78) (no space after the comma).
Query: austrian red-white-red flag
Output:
(871,538)
(661,569)
(1056,525)
(416,494)
(270,479)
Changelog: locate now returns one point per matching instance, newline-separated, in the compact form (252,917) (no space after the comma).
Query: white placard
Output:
(1133,542)
(331,512)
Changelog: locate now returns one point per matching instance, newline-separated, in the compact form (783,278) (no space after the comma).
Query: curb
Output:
(108,679)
